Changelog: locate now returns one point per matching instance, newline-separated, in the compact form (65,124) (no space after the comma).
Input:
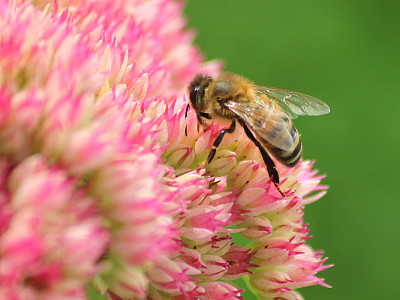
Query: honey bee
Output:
(265,114)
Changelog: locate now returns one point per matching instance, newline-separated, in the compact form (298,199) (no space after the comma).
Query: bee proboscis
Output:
(265,114)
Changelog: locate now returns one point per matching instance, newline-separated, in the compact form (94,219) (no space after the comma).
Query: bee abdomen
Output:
(288,158)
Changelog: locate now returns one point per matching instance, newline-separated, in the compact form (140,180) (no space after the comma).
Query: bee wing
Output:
(267,120)
(294,103)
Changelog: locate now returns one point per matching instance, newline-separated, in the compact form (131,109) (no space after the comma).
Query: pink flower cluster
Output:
(98,181)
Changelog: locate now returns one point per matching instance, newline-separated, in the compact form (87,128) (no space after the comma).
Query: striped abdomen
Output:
(289,156)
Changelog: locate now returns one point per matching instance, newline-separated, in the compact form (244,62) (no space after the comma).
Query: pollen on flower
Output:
(102,186)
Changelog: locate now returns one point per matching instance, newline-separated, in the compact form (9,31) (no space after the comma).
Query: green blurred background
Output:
(347,53)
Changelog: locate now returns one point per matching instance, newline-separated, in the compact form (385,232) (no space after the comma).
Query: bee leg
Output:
(218,141)
(204,115)
(271,168)
(200,122)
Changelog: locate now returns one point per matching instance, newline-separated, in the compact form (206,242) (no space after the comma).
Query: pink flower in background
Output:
(98,181)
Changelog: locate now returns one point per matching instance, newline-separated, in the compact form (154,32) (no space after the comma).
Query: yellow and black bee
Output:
(265,114)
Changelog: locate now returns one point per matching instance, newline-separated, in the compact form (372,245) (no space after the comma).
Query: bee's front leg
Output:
(217,142)
(200,122)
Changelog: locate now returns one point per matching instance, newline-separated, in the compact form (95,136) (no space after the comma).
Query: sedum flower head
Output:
(98,180)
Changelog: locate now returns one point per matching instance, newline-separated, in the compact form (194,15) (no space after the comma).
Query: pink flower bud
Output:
(219,290)
(257,229)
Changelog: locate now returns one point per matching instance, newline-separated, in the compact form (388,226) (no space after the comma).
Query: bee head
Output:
(197,89)
(228,87)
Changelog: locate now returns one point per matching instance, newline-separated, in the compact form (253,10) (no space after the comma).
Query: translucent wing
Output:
(293,103)
(267,120)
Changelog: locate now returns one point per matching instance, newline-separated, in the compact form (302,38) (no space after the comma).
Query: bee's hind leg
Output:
(218,141)
(271,168)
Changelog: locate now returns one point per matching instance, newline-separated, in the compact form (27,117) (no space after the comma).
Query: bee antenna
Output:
(187,109)
(186,113)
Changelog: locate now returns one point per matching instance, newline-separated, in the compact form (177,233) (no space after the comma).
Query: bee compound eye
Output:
(193,95)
